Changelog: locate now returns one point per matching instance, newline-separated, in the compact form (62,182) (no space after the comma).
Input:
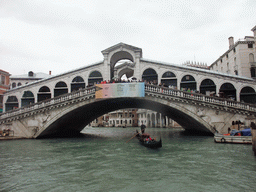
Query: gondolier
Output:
(142,128)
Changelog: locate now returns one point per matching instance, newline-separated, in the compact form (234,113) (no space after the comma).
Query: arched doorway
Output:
(150,76)
(227,90)
(43,94)
(60,89)
(27,98)
(94,77)
(11,103)
(169,79)
(77,83)
(188,83)
(208,87)
(248,95)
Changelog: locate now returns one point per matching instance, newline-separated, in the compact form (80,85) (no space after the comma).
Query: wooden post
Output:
(253,127)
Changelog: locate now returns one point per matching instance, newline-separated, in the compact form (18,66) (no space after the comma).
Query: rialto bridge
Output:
(66,103)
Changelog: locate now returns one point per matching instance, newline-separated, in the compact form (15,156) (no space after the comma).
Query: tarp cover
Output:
(233,132)
(246,132)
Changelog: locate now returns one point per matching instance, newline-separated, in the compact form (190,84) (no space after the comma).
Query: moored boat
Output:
(237,137)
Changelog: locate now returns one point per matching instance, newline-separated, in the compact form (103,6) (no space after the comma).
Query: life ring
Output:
(223,140)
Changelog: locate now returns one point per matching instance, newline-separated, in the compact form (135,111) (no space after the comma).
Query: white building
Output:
(134,118)
(19,80)
(239,59)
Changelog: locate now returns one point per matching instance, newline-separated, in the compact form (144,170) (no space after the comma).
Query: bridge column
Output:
(137,66)
(106,75)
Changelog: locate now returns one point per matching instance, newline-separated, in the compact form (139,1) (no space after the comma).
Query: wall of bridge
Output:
(68,114)
(199,75)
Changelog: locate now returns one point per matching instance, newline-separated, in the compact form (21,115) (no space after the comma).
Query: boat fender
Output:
(223,140)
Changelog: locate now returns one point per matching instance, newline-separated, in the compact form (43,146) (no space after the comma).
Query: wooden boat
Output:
(240,137)
(150,144)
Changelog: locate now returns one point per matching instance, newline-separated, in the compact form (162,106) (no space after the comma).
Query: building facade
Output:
(239,59)
(4,86)
(19,80)
(134,118)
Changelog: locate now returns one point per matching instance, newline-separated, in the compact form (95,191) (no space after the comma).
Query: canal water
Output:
(104,161)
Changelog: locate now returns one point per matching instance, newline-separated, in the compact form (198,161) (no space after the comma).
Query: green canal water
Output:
(103,161)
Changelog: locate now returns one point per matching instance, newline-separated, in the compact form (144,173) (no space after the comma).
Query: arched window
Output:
(208,87)
(19,84)
(251,58)
(27,98)
(248,95)
(169,79)
(11,103)
(13,85)
(227,90)
(43,94)
(60,88)
(188,83)
(150,76)
(77,83)
(94,77)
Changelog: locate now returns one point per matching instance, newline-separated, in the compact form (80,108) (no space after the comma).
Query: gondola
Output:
(150,144)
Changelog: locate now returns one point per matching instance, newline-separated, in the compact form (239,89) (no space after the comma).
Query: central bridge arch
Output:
(73,119)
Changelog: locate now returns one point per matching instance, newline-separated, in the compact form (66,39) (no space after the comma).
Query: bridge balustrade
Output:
(200,97)
(148,88)
(49,102)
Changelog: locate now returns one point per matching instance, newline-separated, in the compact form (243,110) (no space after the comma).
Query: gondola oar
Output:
(133,137)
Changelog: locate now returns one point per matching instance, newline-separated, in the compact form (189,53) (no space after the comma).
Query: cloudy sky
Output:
(62,35)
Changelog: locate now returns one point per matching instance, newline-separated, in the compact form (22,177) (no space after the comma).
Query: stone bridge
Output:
(68,114)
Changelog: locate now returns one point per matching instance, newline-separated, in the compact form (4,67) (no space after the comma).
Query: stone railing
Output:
(148,89)
(200,98)
(49,102)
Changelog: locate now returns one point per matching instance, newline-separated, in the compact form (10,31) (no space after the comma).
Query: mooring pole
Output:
(253,128)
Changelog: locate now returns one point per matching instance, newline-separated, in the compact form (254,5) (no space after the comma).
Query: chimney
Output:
(231,41)
(50,72)
(30,74)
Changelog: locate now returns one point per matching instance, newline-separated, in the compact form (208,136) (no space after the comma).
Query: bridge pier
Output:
(253,128)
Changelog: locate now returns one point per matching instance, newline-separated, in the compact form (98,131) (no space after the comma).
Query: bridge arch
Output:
(74,118)
(248,95)
(77,83)
(117,56)
(27,98)
(150,75)
(188,82)
(60,88)
(169,79)
(228,90)
(207,85)
(94,77)
(44,93)
(128,71)
(11,103)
